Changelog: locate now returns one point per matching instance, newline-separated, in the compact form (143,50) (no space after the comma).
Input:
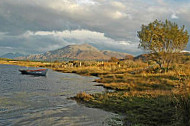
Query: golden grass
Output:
(158,92)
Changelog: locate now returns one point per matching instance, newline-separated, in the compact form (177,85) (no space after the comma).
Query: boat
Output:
(38,72)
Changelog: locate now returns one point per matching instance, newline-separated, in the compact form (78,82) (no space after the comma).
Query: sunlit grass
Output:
(148,97)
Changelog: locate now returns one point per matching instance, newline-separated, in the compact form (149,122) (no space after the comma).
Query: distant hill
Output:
(11,55)
(143,57)
(181,56)
(76,52)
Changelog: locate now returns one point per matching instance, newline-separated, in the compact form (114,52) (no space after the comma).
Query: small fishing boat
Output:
(39,72)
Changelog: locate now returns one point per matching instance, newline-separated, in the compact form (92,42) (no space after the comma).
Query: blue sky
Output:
(37,26)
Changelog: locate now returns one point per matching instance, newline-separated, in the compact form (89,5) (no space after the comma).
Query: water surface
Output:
(29,100)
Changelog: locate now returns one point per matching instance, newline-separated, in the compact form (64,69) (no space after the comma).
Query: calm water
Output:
(42,101)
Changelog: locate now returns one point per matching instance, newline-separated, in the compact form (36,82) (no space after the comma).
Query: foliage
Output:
(164,40)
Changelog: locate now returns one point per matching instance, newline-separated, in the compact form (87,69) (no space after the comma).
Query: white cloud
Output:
(117,15)
(59,39)
(124,43)
(118,5)
(91,2)
(174,16)
(76,34)
(53,23)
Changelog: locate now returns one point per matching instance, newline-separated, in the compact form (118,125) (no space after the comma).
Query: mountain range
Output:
(11,55)
(76,52)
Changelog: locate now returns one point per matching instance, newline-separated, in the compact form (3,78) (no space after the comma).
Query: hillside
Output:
(76,52)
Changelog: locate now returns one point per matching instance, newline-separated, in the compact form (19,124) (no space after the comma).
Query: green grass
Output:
(150,111)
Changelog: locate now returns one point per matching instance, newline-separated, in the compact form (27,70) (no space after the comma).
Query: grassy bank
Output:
(139,109)
(150,97)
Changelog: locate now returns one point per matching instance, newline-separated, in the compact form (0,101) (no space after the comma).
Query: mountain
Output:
(76,52)
(11,55)
(143,57)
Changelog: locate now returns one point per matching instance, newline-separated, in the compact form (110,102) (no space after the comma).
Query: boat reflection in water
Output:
(38,72)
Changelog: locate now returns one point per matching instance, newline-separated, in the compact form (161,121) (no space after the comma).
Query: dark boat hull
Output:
(40,72)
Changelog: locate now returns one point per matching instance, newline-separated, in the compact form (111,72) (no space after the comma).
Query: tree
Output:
(163,40)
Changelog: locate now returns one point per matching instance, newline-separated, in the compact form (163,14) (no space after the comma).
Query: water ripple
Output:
(31,101)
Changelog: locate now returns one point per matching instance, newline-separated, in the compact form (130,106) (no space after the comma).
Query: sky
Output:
(37,26)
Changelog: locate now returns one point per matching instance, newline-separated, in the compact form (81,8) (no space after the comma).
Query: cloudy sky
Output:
(36,26)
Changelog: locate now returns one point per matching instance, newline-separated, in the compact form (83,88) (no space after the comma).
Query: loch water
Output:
(43,101)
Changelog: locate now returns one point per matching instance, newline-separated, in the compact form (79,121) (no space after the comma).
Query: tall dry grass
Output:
(182,98)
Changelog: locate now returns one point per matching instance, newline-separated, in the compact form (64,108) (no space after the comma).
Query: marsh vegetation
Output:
(147,97)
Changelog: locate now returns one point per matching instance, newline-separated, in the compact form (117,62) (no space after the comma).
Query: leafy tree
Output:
(163,40)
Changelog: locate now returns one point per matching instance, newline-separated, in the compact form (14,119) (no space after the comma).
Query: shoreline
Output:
(55,89)
(143,98)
